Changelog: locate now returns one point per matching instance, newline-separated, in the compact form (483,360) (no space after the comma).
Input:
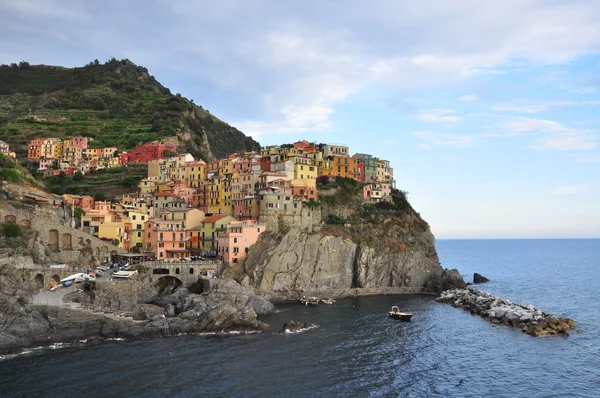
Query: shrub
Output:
(334,219)
(11,230)
(311,204)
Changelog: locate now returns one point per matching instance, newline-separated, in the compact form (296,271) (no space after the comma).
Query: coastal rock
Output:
(323,264)
(499,311)
(295,326)
(478,278)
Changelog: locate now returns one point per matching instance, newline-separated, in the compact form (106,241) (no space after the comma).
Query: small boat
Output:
(124,274)
(75,278)
(395,313)
(328,301)
(309,301)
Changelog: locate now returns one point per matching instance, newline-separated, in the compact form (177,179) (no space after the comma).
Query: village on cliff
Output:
(188,207)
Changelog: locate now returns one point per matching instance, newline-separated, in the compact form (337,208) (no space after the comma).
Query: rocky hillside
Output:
(117,104)
(389,250)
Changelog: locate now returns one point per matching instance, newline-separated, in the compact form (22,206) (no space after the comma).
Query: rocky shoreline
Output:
(529,319)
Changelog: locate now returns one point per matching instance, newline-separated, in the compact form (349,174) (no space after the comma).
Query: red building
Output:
(146,152)
(360,165)
(265,163)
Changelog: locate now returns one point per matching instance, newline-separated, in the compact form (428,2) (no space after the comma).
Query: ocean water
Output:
(357,351)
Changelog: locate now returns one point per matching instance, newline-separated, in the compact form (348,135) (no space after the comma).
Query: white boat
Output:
(123,274)
(75,278)
(396,313)
(328,301)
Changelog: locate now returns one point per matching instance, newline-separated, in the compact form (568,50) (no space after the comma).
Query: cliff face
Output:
(379,252)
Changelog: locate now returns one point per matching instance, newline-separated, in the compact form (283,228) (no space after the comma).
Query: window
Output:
(161,244)
(182,245)
(139,234)
(138,226)
(133,218)
(234,240)
(148,234)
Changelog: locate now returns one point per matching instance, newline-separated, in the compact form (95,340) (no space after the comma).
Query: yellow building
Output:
(114,229)
(214,194)
(225,166)
(138,221)
(71,153)
(207,235)
(196,172)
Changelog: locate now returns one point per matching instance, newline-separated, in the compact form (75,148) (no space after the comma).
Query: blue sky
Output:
(487,111)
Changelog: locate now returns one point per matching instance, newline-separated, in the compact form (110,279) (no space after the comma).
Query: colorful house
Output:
(207,235)
(234,243)
(377,192)
(165,238)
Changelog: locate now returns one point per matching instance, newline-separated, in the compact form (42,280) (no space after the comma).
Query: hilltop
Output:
(117,103)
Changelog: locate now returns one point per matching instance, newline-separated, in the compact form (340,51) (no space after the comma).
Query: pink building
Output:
(377,192)
(234,244)
(165,238)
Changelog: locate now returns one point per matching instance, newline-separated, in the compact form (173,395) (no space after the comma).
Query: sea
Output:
(355,350)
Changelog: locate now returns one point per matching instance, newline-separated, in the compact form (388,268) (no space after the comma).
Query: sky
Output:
(488,111)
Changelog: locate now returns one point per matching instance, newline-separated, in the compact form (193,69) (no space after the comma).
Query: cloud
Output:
(544,106)
(432,139)
(468,97)
(64,9)
(549,134)
(574,189)
(288,66)
(439,115)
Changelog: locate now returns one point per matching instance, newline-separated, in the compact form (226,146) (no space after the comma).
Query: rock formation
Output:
(324,264)
(131,310)
(295,326)
(478,278)
(499,311)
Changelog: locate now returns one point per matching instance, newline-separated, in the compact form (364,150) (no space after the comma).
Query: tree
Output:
(11,230)
(323,180)
(78,212)
(77,176)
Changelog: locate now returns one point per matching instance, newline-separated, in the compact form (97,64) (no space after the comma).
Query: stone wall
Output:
(53,240)
(307,220)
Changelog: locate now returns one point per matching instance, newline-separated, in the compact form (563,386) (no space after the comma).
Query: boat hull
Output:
(402,316)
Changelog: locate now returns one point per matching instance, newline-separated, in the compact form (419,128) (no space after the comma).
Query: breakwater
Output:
(529,319)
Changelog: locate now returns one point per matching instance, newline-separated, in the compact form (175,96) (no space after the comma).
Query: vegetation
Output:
(13,172)
(336,219)
(10,230)
(96,182)
(311,204)
(117,104)
(78,212)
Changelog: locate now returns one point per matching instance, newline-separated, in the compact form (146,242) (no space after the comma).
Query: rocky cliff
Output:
(390,251)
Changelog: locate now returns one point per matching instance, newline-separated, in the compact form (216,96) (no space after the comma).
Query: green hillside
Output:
(13,172)
(117,104)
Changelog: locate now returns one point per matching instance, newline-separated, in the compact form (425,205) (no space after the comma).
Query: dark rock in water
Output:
(452,279)
(448,279)
(294,326)
(478,278)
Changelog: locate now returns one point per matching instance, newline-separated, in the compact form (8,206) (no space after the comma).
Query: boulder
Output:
(478,278)
(295,326)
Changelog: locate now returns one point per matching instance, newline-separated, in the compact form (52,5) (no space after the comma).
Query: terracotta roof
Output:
(214,218)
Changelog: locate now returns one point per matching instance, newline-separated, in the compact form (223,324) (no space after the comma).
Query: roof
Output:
(215,218)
